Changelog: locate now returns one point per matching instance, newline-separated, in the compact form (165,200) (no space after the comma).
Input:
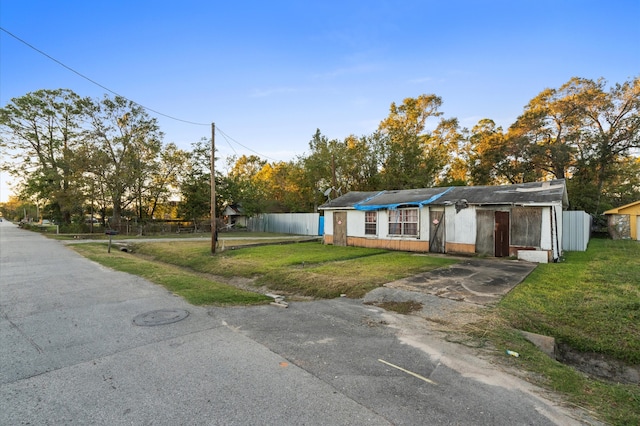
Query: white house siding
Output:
(551,238)
(355,223)
(460,232)
(424,223)
(383,224)
(328,222)
(557,220)
(545,235)
(463,225)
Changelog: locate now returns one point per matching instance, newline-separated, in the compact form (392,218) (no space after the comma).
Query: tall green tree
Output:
(241,187)
(323,168)
(410,155)
(611,129)
(551,126)
(582,131)
(127,144)
(447,153)
(486,153)
(41,136)
(195,185)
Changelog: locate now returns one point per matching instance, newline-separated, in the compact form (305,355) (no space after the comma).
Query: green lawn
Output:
(195,288)
(591,301)
(305,269)
(308,269)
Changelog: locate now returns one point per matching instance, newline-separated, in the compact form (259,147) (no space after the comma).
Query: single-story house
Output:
(523,220)
(624,221)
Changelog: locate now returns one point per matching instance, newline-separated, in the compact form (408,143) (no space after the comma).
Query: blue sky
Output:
(270,73)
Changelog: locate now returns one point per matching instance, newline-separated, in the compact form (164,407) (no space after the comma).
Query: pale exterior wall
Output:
(355,223)
(328,222)
(545,234)
(551,236)
(461,226)
(383,224)
(423,231)
(557,220)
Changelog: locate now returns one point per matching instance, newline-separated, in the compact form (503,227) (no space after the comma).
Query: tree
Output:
(580,131)
(164,178)
(195,184)
(551,126)
(126,145)
(410,156)
(362,163)
(42,135)
(322,168)
(610,125)
(240,186)
(487,153)
(447,153)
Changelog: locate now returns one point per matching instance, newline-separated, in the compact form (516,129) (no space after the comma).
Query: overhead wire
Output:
(245,147)
(228,143)
(96,83)
(224,135)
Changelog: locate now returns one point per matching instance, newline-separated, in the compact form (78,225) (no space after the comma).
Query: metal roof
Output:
(536,193)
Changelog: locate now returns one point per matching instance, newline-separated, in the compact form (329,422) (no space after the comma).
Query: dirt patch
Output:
(598,365)
(400,307)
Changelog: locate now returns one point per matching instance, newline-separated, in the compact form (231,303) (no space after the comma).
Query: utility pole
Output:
(214,229)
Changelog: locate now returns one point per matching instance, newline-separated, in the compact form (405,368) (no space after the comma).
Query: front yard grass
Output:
(306,269)
(193,287)
(591,302)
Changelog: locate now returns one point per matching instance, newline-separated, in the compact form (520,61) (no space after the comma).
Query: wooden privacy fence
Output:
(286,223)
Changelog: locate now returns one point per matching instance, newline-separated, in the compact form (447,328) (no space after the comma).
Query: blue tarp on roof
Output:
(393,206)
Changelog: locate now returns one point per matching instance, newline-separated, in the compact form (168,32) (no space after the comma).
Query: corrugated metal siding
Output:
(286,223)
(576,230)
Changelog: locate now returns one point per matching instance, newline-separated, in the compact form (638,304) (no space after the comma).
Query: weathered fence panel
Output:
(576,230)
(286,223)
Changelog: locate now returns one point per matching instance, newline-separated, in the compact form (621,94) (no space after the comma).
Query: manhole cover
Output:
(160,317)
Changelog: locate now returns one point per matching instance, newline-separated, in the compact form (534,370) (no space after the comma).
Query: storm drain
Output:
(160,317)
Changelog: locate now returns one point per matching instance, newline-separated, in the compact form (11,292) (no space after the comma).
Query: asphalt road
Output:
(75,349)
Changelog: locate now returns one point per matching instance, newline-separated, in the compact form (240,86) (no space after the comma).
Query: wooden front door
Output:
(339,228)
(485,230)
(501,234)
(436,231)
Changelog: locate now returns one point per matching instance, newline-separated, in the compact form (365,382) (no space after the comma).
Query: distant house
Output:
(624,222)
(234,215)
(523,220)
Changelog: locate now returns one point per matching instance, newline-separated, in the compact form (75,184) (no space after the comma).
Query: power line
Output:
(245,147)
(224,135)
(228,143)
(98,84)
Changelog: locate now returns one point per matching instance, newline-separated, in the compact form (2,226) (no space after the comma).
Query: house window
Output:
(370,223)
(403,222)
